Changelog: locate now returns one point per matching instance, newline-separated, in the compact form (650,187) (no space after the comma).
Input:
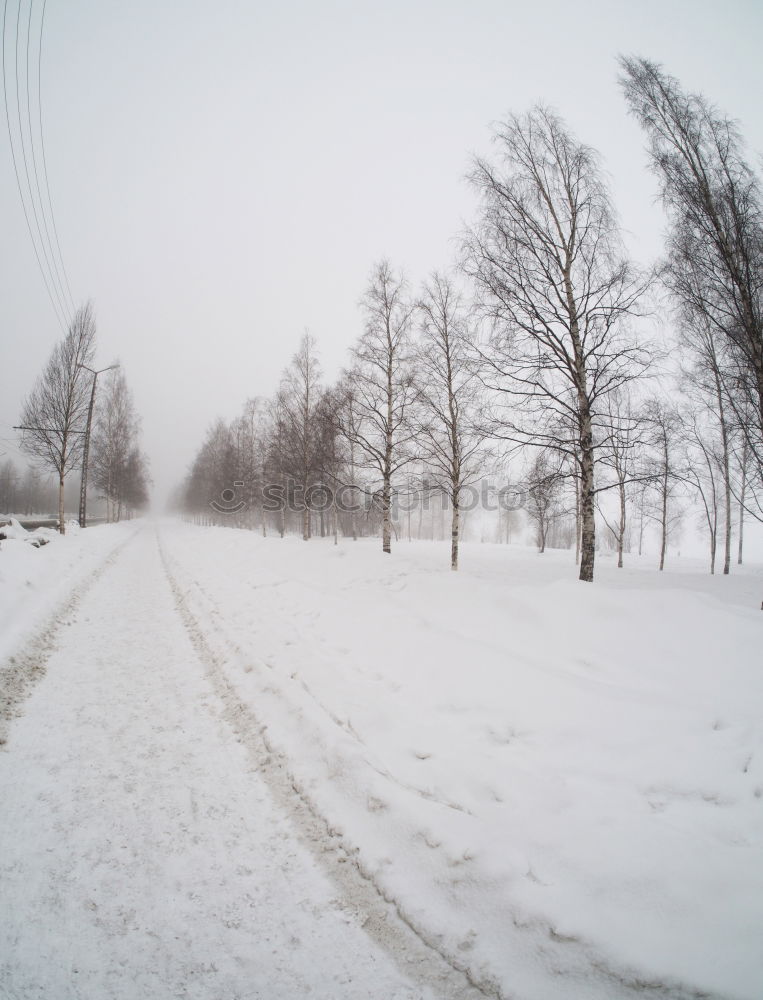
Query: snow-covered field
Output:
(557,786)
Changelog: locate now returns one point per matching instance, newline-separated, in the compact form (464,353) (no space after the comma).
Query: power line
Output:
(47,430)
(49,270)
(60,311)
(52,257)
(7,442)
(13,445)
(44,158)
(18,178)
(24,160)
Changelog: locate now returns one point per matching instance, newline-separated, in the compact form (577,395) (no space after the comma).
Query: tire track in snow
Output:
(358,884)
(142,855)
(24,668)
(380,915)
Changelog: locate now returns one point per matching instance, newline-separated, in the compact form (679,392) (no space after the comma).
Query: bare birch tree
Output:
(545,482)
(300,395)
(743,461)
(214,469)
(715,246)
(448,393)
(275,465)
(707,386)
(623,434)
(115,436)
(331,459)
(383,392)
(663,465)
(547,260)
(54,414)
(250,431)
(348,424)
(702,469)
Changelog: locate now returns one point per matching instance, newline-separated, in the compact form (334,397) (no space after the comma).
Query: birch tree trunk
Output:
(726,466)
(61,521)
(354,513)
(727,504)
(664,518)
(588,523)
(387,474)
(454,533)
(587,495)
(577,520)
(621,533)
(386,521)
(741,501)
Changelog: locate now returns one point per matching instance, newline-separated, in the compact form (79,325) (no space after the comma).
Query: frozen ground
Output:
(263,769)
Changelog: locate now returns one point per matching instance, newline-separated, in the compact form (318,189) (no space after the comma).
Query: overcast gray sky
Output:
(225,174)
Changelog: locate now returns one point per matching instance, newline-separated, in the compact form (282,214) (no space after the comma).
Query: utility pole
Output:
(86,448)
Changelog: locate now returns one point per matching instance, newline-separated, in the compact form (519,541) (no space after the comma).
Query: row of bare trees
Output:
(25,490)
(118,467)
(546,360)
(60,416)
(713,271)
(663,462)
(714,263)
(404,411)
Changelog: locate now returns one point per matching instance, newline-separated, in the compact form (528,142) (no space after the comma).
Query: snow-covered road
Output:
(141,852)
(249,767)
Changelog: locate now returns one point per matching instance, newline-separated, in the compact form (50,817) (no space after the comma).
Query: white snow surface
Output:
(141,854)
(558,786)
(34,581)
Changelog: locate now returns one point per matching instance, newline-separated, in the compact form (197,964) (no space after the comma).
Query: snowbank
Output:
(35,579)
(561,784)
